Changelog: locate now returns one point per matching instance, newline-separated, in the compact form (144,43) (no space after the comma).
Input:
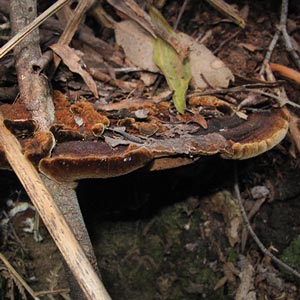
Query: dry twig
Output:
(261,246)
(22,34)
(17,277)
(281,29)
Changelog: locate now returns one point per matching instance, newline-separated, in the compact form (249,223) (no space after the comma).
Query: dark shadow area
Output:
(141,194)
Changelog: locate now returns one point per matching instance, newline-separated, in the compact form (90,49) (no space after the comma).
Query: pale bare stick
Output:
(182,9)
(35,94)
(21,35)
(73,24)
(52,217)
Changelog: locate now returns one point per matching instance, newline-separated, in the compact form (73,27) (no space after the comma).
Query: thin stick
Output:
(282,101)
(21,35)
(240,88)
(182,9)
(72,26)
(281,29)
(52,217)
(17,276)
(253,234)
(52,292)
(247,88)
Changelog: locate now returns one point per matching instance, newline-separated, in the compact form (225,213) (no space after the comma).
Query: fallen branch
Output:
(36,95)
(52,217)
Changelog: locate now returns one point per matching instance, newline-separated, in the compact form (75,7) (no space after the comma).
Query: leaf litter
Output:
(167,282)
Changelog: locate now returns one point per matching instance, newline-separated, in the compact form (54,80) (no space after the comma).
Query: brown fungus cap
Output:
(233,138)
(102,144)
(39,146)
(77,160)
(261,133)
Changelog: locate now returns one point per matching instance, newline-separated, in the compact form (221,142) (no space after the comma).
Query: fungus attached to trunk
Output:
(77,153)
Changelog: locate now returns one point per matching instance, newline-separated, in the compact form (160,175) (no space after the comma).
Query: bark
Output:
(34,88)
(35,93)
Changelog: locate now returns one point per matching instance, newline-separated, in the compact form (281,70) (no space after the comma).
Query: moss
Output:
(160,258)
(206,276)
(153,245)
(232,256)
(291,256)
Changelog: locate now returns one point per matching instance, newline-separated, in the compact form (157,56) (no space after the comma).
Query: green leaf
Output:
(167,55)
(176,70)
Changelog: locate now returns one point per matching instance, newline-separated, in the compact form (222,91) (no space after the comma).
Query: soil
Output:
(168,234)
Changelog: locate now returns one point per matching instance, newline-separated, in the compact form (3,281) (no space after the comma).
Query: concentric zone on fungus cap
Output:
(233,139)
(77,160)
(229,135)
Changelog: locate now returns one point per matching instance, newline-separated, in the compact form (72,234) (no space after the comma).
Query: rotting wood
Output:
(52,217)
(35,94)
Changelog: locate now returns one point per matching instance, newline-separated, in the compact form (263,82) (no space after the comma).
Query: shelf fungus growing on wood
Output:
(72,151)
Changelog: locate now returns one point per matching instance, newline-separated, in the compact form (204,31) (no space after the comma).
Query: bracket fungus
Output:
(72,151)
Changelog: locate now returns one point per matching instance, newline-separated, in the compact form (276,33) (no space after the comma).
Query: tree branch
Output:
(36,95)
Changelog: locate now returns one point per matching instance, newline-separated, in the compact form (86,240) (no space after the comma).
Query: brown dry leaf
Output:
(207,70)
(71,59)
(249,47)
(199,119)
(228,11)
(132,10)
(195,117)
(221,282)
(137,45)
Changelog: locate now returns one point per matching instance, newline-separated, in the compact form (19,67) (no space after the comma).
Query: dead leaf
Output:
(137,45)
(221,282)
(207,70)
(132,10)
(228,11)
(71,59)
(199,119)
(249,47)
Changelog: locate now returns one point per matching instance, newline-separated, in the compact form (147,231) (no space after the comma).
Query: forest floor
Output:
(179,234)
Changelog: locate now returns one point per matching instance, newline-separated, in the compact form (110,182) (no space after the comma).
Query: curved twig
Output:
(253,234)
